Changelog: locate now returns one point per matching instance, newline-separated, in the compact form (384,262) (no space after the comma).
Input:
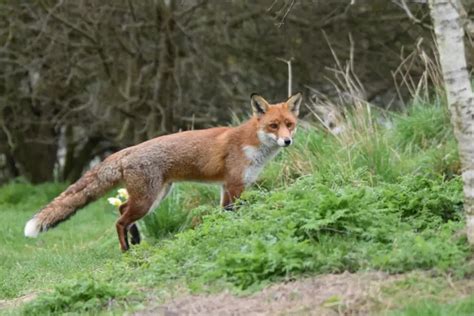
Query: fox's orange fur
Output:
(230,156)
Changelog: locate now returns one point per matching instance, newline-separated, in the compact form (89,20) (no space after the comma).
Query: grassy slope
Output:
(377,199)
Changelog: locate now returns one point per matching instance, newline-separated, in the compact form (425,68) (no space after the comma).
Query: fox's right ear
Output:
(259,104)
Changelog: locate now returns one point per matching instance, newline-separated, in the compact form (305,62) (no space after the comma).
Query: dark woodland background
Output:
(81,79)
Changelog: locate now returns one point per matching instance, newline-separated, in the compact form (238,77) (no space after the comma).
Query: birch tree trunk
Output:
(450,40)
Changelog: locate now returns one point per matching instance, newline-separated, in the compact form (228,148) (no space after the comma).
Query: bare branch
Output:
(290,75)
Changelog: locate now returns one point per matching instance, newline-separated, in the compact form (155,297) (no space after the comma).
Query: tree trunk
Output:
(36,153)
(450,40)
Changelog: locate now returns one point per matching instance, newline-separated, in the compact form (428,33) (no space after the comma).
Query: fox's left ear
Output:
(259,104)
(294,103)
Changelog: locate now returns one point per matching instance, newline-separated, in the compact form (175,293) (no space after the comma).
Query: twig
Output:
(68,24)
(282,21)
(9,135)
(407,10)
(290,75)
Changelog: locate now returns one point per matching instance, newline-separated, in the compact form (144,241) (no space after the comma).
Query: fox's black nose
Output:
(287,141)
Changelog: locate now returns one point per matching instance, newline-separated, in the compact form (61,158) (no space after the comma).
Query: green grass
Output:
(372,199)
(463,307)
(428,295)
(78,246)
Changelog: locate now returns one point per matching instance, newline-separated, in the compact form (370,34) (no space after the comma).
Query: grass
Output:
(430,295)
(464,307)
(374,198)
(78,246)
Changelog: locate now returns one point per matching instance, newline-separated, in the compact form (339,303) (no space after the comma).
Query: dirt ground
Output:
(327,295)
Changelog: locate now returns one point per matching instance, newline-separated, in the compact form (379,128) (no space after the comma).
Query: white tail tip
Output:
(32,228)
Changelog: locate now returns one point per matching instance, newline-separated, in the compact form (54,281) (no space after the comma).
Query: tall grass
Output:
(419,141)
(175,212)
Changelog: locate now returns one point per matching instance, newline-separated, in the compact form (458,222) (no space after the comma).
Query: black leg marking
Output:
(135,235)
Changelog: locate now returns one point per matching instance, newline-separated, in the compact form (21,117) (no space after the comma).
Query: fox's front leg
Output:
(229,193)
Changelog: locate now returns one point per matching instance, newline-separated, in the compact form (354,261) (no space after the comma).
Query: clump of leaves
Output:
(81,296)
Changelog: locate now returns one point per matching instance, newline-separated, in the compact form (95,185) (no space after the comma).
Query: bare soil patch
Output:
(333,294)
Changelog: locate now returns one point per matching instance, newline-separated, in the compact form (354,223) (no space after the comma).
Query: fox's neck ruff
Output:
(258,156)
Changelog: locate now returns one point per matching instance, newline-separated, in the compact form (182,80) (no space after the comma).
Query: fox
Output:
(231,157)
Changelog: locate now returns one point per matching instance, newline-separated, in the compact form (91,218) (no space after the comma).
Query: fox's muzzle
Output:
(284,142)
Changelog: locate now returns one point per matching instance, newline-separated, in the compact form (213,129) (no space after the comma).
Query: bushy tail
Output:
(92,185)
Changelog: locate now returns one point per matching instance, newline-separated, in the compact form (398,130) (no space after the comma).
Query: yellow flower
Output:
(114,201)
(123,194)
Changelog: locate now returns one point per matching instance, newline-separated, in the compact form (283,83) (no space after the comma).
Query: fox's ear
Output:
(259,104)
(294,103)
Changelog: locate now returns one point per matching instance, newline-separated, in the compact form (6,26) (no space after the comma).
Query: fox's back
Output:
(193,155)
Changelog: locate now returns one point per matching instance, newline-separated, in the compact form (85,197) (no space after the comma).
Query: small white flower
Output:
(114,201)
(123,194)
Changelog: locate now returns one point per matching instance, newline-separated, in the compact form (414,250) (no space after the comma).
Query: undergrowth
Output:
(313,227)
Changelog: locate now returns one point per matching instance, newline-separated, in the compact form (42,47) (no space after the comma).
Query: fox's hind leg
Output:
(134,232)
(135,209)
(141,190)
(144,194)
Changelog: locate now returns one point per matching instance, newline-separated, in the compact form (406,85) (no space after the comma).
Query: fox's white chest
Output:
(258,157)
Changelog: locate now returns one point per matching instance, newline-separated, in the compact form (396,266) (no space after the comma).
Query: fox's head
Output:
(276,122)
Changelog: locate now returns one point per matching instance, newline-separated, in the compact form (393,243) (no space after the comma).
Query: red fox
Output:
(230,156)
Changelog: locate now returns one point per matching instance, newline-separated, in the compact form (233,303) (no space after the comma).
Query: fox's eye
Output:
(273,126)
(289,125)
